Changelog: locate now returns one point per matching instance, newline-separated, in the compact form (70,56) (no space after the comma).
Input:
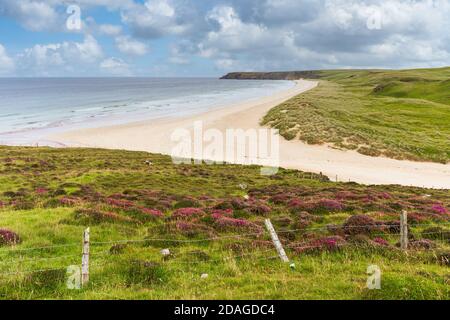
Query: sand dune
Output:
(154,136)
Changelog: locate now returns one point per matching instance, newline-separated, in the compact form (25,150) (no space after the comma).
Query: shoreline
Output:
(154,136)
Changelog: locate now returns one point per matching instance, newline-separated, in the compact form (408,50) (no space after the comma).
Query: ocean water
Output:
(31,108)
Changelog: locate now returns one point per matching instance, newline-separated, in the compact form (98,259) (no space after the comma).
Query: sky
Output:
(196,38)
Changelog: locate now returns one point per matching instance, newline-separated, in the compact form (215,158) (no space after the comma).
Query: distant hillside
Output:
(401,114)
(288,75)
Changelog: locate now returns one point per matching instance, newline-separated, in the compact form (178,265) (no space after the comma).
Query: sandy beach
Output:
(155,136)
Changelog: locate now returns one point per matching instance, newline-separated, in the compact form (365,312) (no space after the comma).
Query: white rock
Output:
(165,252)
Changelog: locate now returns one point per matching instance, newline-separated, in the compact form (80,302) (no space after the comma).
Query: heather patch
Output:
(297,204)
(258,208)
(8,237)
(184,213)
(95,216)
(22,204)
(416,218)
(332,243)
(423,244)
(188,229)
(348,195)
(230,224)
(69,201)
(41,191)
(380,241)
(221,212)
(439,209)
(328,205)
(360,224)
(109,191)
(120,203)
(281,199)
(151,212)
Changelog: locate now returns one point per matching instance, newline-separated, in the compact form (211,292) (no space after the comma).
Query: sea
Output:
(33,108)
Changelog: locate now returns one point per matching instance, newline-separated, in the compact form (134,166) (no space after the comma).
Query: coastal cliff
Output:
(284,75)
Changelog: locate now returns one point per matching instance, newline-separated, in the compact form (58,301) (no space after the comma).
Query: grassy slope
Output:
(34,180)
(399,114)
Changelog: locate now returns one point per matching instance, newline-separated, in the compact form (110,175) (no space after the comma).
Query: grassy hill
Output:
(211,218)
(401,114)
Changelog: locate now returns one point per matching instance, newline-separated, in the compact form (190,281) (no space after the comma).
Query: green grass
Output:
(34,180)
(398,114)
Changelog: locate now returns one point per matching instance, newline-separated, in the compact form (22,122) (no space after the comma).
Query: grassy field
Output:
(211,217)
(399,114)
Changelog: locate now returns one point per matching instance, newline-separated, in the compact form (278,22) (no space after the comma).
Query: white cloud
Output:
(131,46)
(115,66)
(181,52)
(33,15)
(225,64)
(160,8)
(87,51)
(247,35)
(58,58)
(156,18)
(110,29)
(235,35)
(44,15)
(327,34)
(6,63)
(236,44)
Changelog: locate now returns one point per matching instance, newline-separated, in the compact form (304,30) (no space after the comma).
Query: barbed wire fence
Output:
(86,257)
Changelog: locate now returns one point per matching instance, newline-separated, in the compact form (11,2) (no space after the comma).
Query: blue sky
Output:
(212,37)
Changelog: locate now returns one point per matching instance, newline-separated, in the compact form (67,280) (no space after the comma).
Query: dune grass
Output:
(398,114)
(49,196)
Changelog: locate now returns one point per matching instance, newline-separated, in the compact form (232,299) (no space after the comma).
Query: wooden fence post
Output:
(404,230)
(276,241)
(85,258)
